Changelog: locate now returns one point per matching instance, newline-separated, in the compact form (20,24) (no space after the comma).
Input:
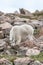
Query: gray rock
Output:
(23,61)
(26,12)
(36,12)
(2,44)
(4,61)
(22,51)
(1,34)
(19,20)
(40,18)
(37,63)
(32,52)
(6,27)
(40,39)
(1,13)
(16,12)
(36,23)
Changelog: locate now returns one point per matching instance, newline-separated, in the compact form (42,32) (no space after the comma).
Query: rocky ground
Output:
(28,52)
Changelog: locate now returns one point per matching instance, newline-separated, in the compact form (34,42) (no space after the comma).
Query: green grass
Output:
(38,57)
(9,57)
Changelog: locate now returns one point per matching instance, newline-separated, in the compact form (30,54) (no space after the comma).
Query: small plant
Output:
(36,31)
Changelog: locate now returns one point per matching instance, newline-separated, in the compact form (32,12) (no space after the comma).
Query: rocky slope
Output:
(28,52)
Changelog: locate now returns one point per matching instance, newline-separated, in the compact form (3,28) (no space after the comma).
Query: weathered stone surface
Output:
(16,12)
(1,35)
(1,13)
(7,20)
(37,63)
(40,39)
(5,25)
(29,44)
(22,51)
(36,23)
(4,61)
(36,12)
(40,18)
(23,61)
(41,31)
(32,52)
(26,12)
(19,21)
(2,19)
(2,44)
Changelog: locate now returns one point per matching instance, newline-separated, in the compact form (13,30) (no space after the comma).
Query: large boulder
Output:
(40,39)
(19,21)
(6,27)
(26,12)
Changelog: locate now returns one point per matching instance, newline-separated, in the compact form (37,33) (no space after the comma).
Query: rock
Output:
(1,35)
(26,12)
(29,44)
(7,40)
(40,18)
(40,39)
(32,52)
(0,28)
(16,12)
(41,46)
(9,20)
(36,12)
(4,61)
(2,44)
(23,61)
(8,52)
(1,22)
(41,31)
(19,21)
(36,23)
(37,63)
(6,27)
(22,51)
(1,13)
(2,19)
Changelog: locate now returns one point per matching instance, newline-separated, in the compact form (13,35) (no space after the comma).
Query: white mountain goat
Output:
(19,33)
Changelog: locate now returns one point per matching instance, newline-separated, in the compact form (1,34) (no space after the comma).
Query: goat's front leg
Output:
(18,40)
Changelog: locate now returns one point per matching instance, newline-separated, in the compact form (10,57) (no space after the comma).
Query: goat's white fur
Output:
(19,33)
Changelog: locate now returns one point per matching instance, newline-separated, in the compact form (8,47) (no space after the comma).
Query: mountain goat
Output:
(21,32)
